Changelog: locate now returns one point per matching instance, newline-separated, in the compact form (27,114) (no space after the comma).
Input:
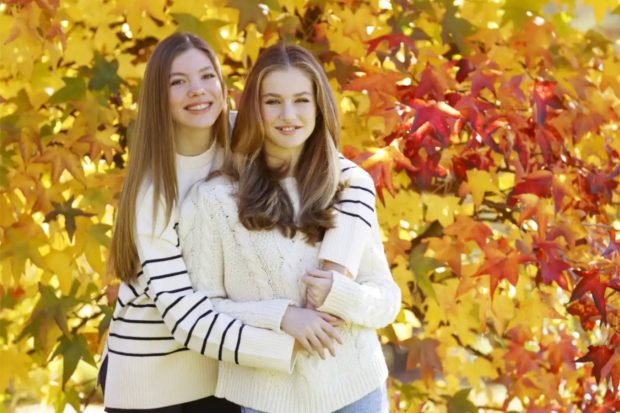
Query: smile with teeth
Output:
(197,107)
(287,129)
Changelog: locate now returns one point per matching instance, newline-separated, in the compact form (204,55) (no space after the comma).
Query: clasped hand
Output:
(314,330)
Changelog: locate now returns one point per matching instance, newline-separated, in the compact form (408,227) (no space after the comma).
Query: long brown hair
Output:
(152,150)
(263,204)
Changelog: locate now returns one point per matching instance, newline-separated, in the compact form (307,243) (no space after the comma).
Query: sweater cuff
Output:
(342,296)
(273,313)
(265,349)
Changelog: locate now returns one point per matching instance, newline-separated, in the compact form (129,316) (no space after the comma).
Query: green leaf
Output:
(209,30)
(421,267)
(249,12)
(104,74)
(455,29)
(73,348)
(459,403)
(74,89)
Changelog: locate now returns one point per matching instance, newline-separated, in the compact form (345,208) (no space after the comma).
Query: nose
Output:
(288,111)
(197,89)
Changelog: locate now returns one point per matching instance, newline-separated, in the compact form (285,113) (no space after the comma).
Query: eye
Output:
(175,82)
(272,102)
(302,100)
(208,76)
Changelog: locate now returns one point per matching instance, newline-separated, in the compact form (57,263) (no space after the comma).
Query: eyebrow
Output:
(204,69)
(277,96)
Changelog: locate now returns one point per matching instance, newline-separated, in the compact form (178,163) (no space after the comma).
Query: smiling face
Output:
(288,110)
(195,93)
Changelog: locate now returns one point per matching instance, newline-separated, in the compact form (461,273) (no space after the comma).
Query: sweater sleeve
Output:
(190,315)
(373,299)
(344,244)
(200,235)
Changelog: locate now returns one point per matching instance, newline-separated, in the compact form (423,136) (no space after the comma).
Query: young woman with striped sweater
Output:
(165,338)
(257,232)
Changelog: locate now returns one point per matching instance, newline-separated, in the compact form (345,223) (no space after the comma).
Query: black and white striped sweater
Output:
(165,338)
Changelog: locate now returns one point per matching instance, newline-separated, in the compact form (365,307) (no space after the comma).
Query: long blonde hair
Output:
(263,204)
(152,150)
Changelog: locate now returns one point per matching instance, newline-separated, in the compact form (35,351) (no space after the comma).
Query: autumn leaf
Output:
(69,212)
(595,283)
(423,355)
(62,159)
(599,356)
(501,262)
(467,229)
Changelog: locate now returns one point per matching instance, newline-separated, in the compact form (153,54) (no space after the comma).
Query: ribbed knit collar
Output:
(196,161)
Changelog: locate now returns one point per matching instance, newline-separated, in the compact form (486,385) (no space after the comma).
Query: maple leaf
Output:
(587,312)
(62,159)
(501,262)
(538,183)
(448,250)
(69,212)
(550,262)
(381,164)
(467,229)
(595,283)
(423,354)
(599,356)
(439,115)
(543,97)
(394,40)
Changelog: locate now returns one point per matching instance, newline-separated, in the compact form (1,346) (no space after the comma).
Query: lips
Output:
(288,129)
(199,107)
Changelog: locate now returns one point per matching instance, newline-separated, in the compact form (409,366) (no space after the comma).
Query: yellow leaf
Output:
(251,46)
(405,206)
(80,47)
(441,208)
(480,182)
(14,364)
(61,264)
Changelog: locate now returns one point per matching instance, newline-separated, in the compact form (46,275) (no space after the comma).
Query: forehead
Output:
(289,81)
(189,61)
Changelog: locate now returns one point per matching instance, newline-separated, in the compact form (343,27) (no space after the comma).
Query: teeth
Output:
(288,128)
(200,106)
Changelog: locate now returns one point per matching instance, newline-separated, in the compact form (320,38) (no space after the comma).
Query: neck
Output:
(192,142)
(276,160)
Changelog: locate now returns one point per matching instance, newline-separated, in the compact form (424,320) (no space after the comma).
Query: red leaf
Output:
(394,40)
(551,265)
(599,356)
(595,283)
(543,96)
(538,183)
(440,116)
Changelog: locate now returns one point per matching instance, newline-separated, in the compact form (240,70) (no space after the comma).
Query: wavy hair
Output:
(263,203)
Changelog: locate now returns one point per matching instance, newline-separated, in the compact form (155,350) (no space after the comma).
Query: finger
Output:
(316,344)
(329,317)
(327,342)
(333,320)
(306,345)
(319,273)
(333,332)
(308,280)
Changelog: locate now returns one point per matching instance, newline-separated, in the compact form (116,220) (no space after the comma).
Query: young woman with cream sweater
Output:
(258,231)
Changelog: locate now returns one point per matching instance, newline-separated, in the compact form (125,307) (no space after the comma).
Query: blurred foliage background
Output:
(489,127)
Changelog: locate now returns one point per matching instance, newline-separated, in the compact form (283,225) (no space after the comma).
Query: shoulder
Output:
(218,190)
(352,175)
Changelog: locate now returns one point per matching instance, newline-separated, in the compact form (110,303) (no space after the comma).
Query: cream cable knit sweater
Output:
(254,275)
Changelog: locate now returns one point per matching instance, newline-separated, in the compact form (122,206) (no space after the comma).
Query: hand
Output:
(312,329)
(318,284)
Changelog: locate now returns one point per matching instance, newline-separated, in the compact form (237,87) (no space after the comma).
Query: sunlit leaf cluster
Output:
(490,128)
